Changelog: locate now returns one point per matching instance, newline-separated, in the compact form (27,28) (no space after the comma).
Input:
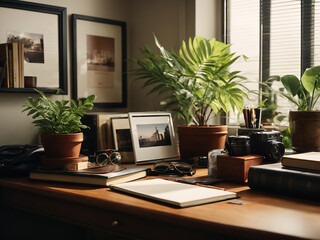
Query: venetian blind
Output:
(279,37)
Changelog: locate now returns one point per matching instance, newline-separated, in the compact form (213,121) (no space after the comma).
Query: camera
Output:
(256,141)
(268,144)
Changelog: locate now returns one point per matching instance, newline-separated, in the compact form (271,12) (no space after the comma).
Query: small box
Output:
(236,168)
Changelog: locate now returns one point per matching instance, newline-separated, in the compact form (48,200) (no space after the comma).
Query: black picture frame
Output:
(78,81)
(61,13)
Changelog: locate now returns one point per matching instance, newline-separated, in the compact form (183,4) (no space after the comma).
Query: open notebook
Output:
(173,193)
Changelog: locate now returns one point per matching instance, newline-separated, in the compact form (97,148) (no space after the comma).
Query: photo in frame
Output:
(122,138)
(99,60)
(43,31)
(153,136)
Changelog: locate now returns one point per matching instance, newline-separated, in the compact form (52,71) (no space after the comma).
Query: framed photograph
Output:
(153,136)
(122,138)
(43,31)
(99,60)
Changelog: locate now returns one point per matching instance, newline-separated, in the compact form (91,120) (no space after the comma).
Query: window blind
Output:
(279,37)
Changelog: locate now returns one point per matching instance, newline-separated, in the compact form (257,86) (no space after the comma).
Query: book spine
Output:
(10,63)
(15,65)
(21,64)
(286,183)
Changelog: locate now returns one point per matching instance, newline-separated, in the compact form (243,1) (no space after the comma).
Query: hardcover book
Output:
(309,160)
(278,179)
(173,193)
(90,177)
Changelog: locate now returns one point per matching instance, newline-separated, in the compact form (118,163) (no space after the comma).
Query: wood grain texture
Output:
(263,216)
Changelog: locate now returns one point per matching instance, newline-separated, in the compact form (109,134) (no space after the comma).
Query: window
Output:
(279,37)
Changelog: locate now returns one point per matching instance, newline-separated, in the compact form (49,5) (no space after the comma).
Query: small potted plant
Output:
(197,84)
(305,121)
(60,127)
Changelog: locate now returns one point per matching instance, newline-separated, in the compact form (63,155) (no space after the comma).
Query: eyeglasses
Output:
(108,156)
(170,167)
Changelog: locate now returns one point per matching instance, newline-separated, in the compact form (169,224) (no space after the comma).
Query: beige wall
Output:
(170,20)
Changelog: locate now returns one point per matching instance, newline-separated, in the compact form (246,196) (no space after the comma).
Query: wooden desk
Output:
(264,216)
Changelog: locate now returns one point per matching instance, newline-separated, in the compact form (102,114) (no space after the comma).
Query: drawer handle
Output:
(114,223)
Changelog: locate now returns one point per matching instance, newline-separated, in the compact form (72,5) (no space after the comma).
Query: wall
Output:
(209,20)
(170,20)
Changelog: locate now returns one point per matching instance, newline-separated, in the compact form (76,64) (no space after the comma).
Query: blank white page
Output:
(178,194)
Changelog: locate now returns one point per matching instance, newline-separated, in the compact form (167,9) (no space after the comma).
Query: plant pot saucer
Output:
(60,162)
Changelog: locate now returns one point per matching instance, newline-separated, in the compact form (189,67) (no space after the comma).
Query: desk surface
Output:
(263,216)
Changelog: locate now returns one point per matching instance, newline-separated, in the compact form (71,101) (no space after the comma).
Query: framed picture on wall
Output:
(153,136)
(41,32)
(99,60)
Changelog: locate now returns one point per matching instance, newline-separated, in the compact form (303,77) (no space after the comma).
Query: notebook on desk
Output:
(173,193)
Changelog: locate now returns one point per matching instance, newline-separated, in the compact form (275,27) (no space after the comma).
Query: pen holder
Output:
(252,117)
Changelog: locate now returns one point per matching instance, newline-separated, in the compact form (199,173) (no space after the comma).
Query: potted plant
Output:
(305,122)
(197,84)
(60,127)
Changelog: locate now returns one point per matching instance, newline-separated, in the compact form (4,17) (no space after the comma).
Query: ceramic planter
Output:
(197,141)
(305,129)
(61,149)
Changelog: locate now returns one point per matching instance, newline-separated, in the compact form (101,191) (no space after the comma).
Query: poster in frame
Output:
(153,136)
(99,60)
(43,30)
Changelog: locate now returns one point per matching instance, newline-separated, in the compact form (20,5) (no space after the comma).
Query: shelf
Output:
(31,90)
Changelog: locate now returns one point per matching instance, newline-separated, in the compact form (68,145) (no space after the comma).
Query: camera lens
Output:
(274,150)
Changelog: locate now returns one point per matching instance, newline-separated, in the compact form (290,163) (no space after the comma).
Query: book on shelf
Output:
(3,71)
(21,64)
(15,64)
(308,160)
(173,193)
(13,53)
(278,179)
(4,60)
(95,176)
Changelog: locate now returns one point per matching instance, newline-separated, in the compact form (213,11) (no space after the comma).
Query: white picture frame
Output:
(153,136)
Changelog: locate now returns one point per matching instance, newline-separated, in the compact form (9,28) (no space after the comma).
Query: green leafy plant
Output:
(57,116)
(196,81)
(303,93)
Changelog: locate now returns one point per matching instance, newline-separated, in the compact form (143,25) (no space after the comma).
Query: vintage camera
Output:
(268,144)
(265,143)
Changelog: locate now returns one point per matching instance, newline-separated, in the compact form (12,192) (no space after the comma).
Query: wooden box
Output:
(236,168)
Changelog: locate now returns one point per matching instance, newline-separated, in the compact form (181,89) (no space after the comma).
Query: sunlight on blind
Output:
(285,44)
(243,35)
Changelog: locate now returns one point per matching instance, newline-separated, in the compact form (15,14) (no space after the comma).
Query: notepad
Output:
(173,193)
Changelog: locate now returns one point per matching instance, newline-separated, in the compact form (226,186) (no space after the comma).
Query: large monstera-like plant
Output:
(198,84)
(197,78)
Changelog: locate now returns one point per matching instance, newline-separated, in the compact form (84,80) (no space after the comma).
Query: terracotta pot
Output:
(197,141)
(61,149)
(305,129)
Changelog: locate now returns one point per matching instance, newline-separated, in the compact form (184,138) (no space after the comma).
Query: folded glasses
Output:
(174,167)
(107,157)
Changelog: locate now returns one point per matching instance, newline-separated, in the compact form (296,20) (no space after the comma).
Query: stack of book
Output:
(100,176)
(297,175)
(12,65)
